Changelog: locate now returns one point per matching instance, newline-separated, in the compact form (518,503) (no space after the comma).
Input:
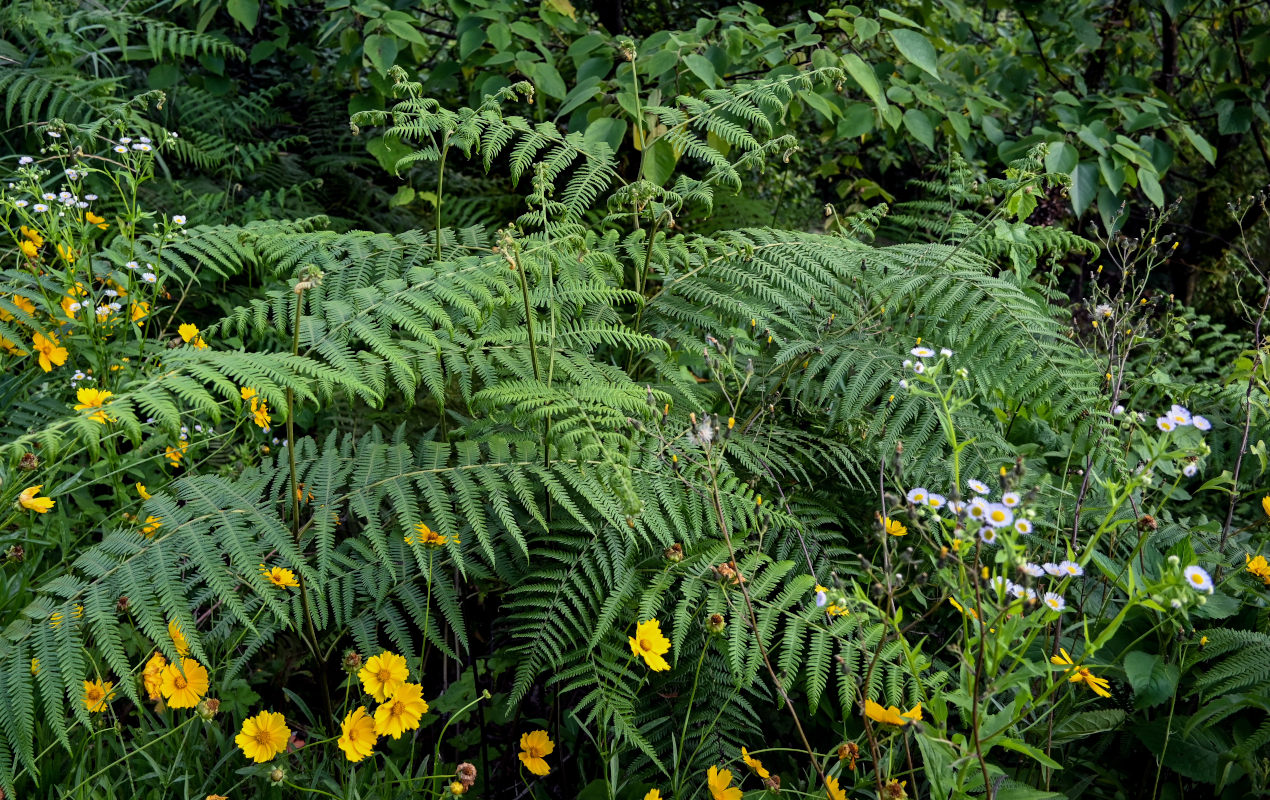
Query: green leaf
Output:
(1153,681)
(584,91)
(607,130)
(1200,144)
(866,28)
(1028,750)
(245,12)
(1061,158)
(1084,186)
(917,49)
(548,81)
(659,162)
(702,68)
(1151,187)
(1087,723)
(827,110)
(406,31)
(382,52)
(862,73)
(857,121)
(919,125)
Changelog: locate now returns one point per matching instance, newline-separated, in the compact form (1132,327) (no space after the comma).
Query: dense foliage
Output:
(677,401)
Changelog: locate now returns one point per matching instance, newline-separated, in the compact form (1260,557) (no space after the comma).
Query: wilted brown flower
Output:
(467,774)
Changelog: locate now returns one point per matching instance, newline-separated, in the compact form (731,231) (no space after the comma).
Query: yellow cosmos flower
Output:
(152,675)
(754,764)
(894,527)
(178,638)
(717,781)
(428,537)
(535,746)
(835,792)
(97,695)
(263,736)
(401,712)
(1259,567)
(184,690)
(29,249)
(383,675)
(90,399)
(279,576)
(892,715)
(142,491)
(357,735)
(649,644)
(93,219)
(189,333)
(28,500)
(1100,686)
(51,353)
(139,311)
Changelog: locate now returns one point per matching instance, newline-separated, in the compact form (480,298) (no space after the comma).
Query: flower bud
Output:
(207,708)
(352,662)
(457,788)
(716,623)
(277,776)
(29,462)
(675,553)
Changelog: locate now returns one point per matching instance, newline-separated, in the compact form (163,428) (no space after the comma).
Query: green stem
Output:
(127,756)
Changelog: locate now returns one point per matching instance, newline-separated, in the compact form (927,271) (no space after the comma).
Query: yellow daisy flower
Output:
(280,577)
(90,399)
(894,527)
(892,715)
(263,736)
(535,746)
(152,676)
(142,492)
(754,764)
(357,735)
(189,333)
(1100,686)
(1259,567)
(178,638)
(51,353)
(383,675)
(28,500)
(649,644)
(401,712)
(427,537)
(184,690)
(835,791)
(97,695)
(717,781)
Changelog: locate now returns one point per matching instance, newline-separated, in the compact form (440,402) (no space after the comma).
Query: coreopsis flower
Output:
(401,712)
(151,525)
(97,695)
(754,764)
(141,491)
(893,527)
(28,500)
(1265,504)
(649,644)
(51,353)
(835,791)
(978,487)
(263,736)
(93,219)
(152,675)
(718,780)
(892,715)
(90,399)
(1198,579)
(189,334)
(357,735)
(178,638)
(383,675)
(138,311)
(35,666)
(427,537)
(917,496)
(29,249)
(1100,686)
(1258,567)
(279,576)
(183,687)
(653,794)
(174,454)
(535,746)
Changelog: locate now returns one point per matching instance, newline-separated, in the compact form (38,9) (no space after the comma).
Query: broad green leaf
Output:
(1061,158)
(1084,186)
(382,52)
(548,81)
(606,129)
(866,28)
(244,11)
(827,110)
(1028,750)
(405,30)
(1200,144)
(562,7)
(856,121)
(862,73)
(659,162)
(1151,187)
(1153,681)
(1087,723)
(919,125)
(578,95)
(917,49)
(700,66)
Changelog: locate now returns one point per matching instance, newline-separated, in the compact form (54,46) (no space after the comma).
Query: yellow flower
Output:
(717,780)
(357,735)
(280,577)
(178,638)
(892,715)
(51,353)
(152,675)
(174,454)
(894,526)
(649,644)
(97,695)
(653,794)
(93,219)
(535,746)
(189,333)
(1265,504)
(832,609)
(260,414)
(32,235)
(1259,567)
(151,525)
(184,690)
(141,490)
(754,764)
(383,675)
(401,712)
(1100,686)
(28,500)
(263,736)
(139,311)
(94,398)
(11,348)
(835,793)
(428,537)
(247,393)
(35,666)
(29,249)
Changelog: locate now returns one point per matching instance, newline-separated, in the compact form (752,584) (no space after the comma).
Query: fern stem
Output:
(683,734)
(445,149)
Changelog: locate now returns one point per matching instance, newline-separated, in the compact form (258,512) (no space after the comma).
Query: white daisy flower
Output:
(24,160)
(144,148)
(904,384)
(48,196)
(132,265)
(72,174)
(922,352)
(1201,423)
(1190,469)
(936,500)
(143,139)
(999,515)
(54,134)
(148,277)
(1055,601)
(1070,568)
(1165,424)
(103,311)
(116,306)
(111,293)
(1001,583)
(1023,525)
(988,534)
(173,134)
(1035,570)
(21,203)
(1117,411)
(978,508)
(956,506)
(179,219)
(65,196)
(919,368)
(1179,415)
(945,352)
(1011,499)
(75,307)
(90,197)
(1198,579)
(978,487)
(1051,568)
(126,140)
(81,204)
(917,496)
(39,208)
(120,149)
(1029,595)
(1103,311)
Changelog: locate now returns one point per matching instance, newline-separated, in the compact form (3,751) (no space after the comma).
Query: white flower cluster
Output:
(1179,417)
